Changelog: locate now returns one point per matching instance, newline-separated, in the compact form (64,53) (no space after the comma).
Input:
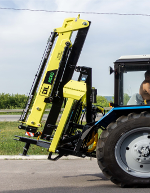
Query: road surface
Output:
(16,117)
(62,176)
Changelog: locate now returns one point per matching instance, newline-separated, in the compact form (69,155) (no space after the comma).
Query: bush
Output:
(14,101)
(18,101)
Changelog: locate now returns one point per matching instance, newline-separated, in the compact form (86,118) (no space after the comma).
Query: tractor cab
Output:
(129,73)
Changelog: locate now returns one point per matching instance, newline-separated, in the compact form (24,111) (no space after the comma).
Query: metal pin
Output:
(84,23)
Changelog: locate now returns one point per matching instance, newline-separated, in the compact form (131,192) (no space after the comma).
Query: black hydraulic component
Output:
(75,113)
(86,75)
(70,139)
(75,52)
(66,151)
(86,130)
(71,124)
(52,118)
(60,73)
(28,128)
(47,137)
(38,75)
(88,96)
(94,94)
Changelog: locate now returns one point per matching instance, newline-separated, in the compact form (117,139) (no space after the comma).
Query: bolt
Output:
(38,108)
(54,29)
(138,159)
(38,125)
(128,169)
(67,43)
(32,122)
(84,23)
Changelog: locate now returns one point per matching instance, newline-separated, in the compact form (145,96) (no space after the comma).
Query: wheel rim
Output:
(132,152)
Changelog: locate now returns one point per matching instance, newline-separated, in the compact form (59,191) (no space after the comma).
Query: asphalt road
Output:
(62,176)
(16,117)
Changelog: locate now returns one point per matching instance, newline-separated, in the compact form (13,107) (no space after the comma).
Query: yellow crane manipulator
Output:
(53,84)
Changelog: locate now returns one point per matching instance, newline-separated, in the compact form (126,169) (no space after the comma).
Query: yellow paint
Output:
(74,89)
(72,24)
(61,125)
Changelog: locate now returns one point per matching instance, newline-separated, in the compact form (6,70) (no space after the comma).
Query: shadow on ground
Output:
(94,189)
(99,176)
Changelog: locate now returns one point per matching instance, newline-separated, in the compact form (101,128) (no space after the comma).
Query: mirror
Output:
(111,70)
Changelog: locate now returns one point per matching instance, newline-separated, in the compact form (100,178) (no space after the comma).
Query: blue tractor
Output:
(123,150)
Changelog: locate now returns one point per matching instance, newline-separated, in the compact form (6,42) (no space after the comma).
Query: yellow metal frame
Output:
(64,35)
(73,90)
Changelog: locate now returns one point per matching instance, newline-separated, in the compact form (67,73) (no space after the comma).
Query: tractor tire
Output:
(123,151)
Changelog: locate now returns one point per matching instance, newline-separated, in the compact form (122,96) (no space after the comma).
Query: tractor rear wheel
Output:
(123,151)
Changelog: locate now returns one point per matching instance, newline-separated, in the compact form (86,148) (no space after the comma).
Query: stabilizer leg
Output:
(25,148)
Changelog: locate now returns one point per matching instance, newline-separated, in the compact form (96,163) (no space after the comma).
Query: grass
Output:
(8,146)
(10,113)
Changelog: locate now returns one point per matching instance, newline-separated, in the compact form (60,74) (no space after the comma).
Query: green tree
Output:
(125,98)
(102,101)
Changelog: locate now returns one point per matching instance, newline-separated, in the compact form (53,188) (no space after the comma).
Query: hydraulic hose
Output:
(95,139)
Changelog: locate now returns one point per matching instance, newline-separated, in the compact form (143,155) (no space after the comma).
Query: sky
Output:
(24,34)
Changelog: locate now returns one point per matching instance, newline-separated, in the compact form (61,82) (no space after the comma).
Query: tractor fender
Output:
(117,112)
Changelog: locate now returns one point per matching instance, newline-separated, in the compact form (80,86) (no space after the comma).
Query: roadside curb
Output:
(37,157)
